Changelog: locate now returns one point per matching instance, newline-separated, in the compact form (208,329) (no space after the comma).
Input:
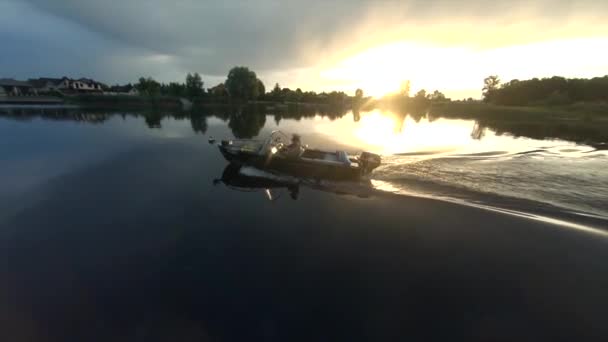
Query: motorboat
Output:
(274,154)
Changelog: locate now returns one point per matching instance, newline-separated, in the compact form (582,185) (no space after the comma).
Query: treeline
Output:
(402,101)
(192,88)
(546,91)
(241,85)
(286,95)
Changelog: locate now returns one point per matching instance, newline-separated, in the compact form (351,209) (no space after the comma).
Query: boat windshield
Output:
(276,141)
(278,137)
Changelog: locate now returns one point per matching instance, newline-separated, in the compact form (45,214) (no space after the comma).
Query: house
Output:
(133,91)
(67,85)
(128,89)
(46,84)
(86,85)
(11,87)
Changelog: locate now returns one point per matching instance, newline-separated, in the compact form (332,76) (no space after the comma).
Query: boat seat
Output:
(338,158)
(250,146)
(254,148)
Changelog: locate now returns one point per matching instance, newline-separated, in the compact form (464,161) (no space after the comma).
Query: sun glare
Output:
(381,70)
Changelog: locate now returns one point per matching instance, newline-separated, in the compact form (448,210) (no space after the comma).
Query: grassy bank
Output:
(577,111)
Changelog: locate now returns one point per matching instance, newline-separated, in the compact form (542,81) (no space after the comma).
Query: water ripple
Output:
(565,179)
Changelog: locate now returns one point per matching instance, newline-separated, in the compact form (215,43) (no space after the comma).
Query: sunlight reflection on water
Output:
(457,158)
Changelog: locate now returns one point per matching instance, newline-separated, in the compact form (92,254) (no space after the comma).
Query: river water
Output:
(444,158)
(118,225)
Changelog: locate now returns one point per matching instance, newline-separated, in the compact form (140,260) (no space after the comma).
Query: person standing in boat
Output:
(294,149)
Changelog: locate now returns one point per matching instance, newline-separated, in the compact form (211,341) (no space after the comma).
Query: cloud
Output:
(39,44)
(121,40)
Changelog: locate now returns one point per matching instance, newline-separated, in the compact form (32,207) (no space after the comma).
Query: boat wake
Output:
(555,181)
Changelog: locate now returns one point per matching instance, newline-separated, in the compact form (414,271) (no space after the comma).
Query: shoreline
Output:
(472,109)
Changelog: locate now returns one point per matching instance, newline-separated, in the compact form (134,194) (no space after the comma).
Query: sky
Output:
(318,45)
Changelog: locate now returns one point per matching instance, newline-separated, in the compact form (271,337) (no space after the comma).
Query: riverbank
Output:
(470,109)
(30,100)
(473,110)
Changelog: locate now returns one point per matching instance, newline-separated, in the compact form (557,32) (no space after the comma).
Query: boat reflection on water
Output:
(234,178)
(274,185)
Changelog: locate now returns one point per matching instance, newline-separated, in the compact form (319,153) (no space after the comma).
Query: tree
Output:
(194,85)
(309,96)
(218,91)
(174,89)
(298,95)
(336,98)
(286,94)
(490,85)
(243,84)
(421,94)
(405,89)
(549,91)
(148,86)
(437,96)
(275,93)
(356,103)
(359,93)
(276,89)
(261,88)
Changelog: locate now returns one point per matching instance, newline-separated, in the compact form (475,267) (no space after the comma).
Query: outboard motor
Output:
(369,161)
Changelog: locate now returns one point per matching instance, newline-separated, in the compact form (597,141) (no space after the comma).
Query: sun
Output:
(383,70)
(376,70)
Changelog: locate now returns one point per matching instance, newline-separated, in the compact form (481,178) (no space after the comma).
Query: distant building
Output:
(67,85)
(84,85)
(11,87)
(128,89)
(45,84)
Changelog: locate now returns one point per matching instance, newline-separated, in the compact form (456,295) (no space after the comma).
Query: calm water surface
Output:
(118,226)
(444,158)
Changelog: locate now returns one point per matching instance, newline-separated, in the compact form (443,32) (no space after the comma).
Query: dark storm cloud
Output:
(36,43)
(211,35)
(122,39)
